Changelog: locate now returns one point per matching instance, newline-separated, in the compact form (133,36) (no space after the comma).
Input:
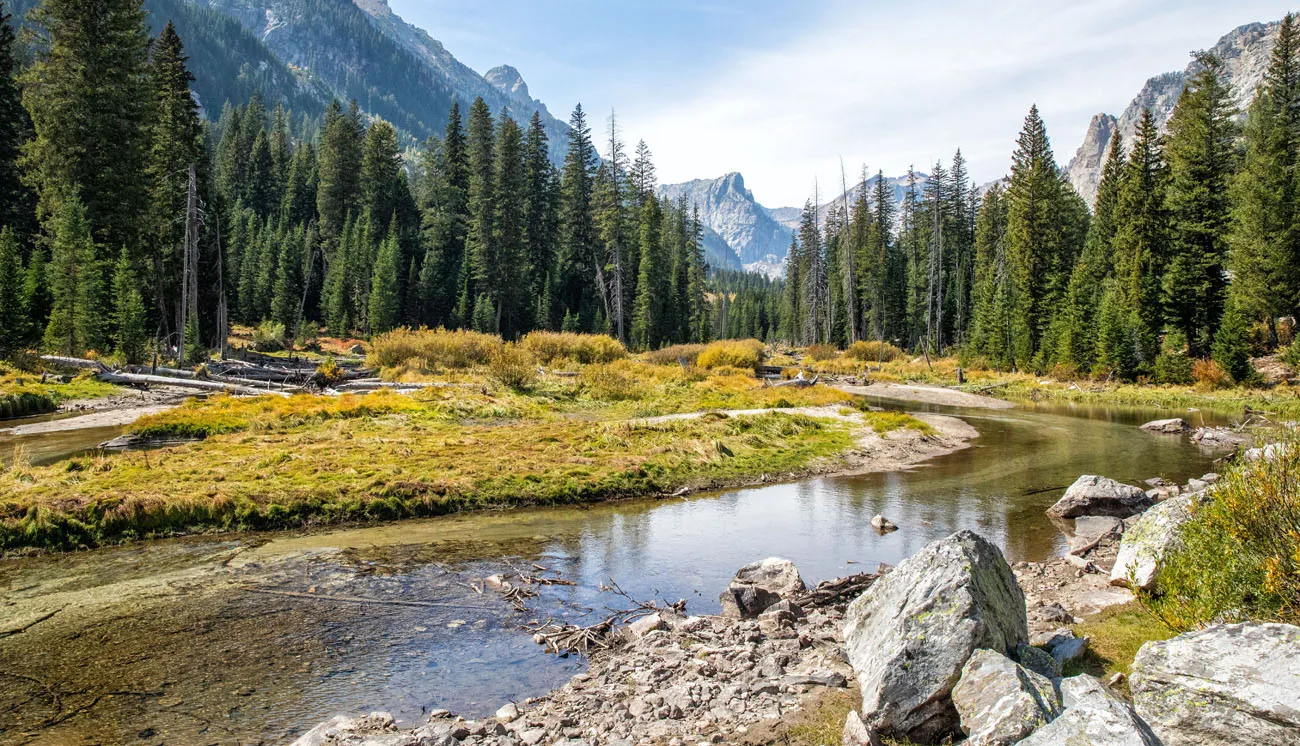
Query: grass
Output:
(1115,636)
(23,394)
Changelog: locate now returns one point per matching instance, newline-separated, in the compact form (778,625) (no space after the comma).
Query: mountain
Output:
(304,53)
(1244,51)
(729,209)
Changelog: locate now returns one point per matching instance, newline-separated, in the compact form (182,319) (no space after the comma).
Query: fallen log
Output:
(799,383)
(137,379)
(74,362)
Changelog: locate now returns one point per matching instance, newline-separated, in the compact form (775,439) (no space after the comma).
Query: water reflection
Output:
(190,626)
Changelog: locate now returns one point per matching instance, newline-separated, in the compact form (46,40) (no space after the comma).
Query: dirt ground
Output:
(927,395)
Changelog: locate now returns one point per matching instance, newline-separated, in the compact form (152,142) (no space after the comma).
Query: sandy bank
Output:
(927,395)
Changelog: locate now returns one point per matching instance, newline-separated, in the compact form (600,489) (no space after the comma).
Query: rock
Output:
(1158,494)
(645,625)
(1056,613)
(1270,452)
(833,680)
(1001,702)
(1038,660)
(1093,495)
(376,723)
(759,585)
(1061,644)
(1144,545)
(1210,478)
(1089,530)
(1197,485)
(1219,437)
(910,634)
(856,733)
(883,524)
(508,712)
(1175,426)
(1093,716)
(356,350)
(1228,684)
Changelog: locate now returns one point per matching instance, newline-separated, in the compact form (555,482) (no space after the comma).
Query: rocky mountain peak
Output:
(1244,51)
(508,80)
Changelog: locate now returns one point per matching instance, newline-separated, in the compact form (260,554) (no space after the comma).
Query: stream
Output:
(254,638)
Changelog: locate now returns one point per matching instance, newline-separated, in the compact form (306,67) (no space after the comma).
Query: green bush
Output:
(269,336)
(1172,364)
(514,367)
(1238,557)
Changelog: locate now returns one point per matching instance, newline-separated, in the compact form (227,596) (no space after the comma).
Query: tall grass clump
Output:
(433,349)
(675,354)
(1238,557)
(514,367)
(733,353)
(584,349)
(820,352)
(871,351)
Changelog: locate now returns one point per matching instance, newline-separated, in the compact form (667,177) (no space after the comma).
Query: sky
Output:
(783,92)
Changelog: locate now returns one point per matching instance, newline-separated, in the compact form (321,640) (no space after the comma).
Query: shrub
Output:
(674,354)
(1231,348)
(1238,557)
(609,381)
(434,348)
(736,353)
(872,350)
(584,349)
(514,367)
(819,352)
(328,373)
(1208,375)
(1173,367)
(269,337)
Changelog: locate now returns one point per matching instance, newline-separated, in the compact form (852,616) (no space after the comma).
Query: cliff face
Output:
(1244,51)
(730,210)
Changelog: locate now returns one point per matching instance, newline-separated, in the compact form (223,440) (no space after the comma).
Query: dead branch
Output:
(838,592)
(19,630)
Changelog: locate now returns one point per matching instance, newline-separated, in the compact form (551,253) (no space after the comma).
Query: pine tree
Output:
(1039,252)
(993,292)
(287,289)
(541,222)
(339,168)
(1095,266)
(75,283)
(1202,157)
(648,311)
(1231,348)
(611,217)
(87,93)
(479,247)
(506,274)
(175,142)
(128,317)
(577,260)
(1142,237)
(381,171)
(15,128)
(1261,257)
(444,221)
(13,312)
(37,300)
(338,285)
(385,305)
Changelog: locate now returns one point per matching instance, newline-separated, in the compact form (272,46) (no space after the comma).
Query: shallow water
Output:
(48,448)
(256,637)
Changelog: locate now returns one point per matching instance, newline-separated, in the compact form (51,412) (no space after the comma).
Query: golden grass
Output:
(569,347)
(736,353)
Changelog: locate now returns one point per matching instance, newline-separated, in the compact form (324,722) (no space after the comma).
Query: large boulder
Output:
(1229,684)
(759,585)
(1093,495)
(1001,702)
(1175,426)
(1144,545)
(910,634)
(1094,716)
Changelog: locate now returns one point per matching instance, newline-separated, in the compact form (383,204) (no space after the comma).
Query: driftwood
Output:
(74,362)
(838,592)
(135,379)
(566,639)
(799,383)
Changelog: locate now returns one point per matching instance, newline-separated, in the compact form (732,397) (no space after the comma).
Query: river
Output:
(254,638)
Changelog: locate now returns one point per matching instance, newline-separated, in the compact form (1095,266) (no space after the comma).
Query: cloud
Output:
(896,86)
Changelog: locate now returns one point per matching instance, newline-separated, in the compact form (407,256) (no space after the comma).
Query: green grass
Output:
(1115,636)
(23,394)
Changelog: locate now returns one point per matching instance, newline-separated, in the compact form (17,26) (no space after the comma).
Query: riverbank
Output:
(276,462)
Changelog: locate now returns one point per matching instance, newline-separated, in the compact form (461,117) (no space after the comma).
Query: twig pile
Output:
(838,592)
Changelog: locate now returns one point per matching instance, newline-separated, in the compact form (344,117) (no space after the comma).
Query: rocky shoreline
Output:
(952,643)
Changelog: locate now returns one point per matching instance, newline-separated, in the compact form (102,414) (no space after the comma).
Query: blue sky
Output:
(781,91)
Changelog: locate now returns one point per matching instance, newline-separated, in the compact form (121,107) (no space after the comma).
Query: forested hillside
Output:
(130,223)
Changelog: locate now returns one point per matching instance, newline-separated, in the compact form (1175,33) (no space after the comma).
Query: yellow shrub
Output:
(609,381)
(872,350)
(672,355)
(1208,375)
(819,352)
(584,349)
(435,348)
(514,367)
(736,353)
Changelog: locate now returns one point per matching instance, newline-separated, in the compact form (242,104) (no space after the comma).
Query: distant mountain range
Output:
(1245,52)
(757,236)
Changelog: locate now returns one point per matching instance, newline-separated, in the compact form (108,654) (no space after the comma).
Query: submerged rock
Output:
(1001,702)
(883,524)
(1229,684)
(1097,496)
(1094,716)
(1144,545)
(759,585)
(910,634)
(1175,426)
